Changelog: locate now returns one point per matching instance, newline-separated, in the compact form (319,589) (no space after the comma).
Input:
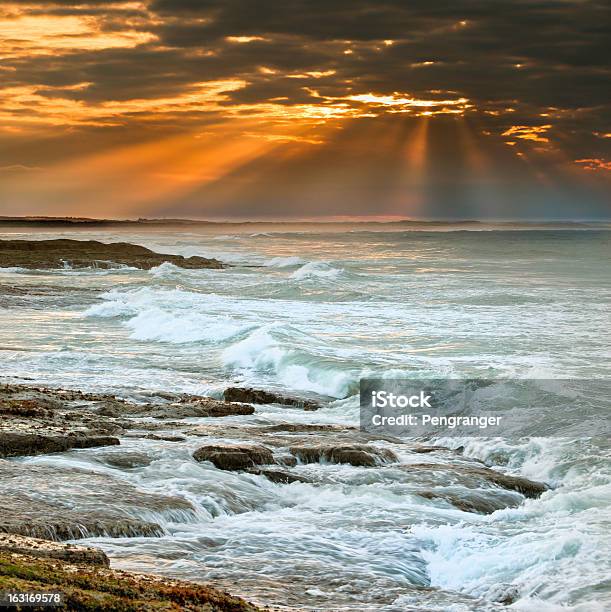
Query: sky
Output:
(306,109)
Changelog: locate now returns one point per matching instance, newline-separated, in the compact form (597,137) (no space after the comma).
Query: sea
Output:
(309,310)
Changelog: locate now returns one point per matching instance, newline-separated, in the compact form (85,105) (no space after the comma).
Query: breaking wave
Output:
(316,270)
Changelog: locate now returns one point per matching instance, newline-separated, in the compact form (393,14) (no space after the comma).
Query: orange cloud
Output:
(28,105)
(28,35)
(594,164)
(528,132)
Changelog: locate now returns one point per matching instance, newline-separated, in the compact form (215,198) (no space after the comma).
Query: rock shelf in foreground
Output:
(88,586)
(36,547)
(60,253)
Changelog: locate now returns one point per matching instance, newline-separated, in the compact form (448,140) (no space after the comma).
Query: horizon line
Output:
(380,220)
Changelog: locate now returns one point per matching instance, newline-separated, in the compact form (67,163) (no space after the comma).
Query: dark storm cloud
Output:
(518,62)
(562,47)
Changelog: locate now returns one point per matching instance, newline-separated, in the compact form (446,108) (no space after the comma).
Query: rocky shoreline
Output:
(62,253)
(38,420)
(84,578)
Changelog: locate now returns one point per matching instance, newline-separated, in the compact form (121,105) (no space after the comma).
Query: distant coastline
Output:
(87,222)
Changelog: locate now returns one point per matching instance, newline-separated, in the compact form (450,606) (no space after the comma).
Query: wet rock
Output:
(279,476)
(39,421)
(45,254)
(359,455)
(424,450)
(234,457)
(307,428)
(166,437)
(36,547)
(125,460)
(474,474)
(525,486)
(110,407)
(472,501)
(65,503)
(258,396)
(22,516)
(286,460)
(202,407)
(13,444)
(22,408)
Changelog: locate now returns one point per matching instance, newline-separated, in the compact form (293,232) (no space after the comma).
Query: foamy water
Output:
(312,312)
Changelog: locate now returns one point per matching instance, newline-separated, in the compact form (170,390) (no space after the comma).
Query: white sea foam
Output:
(157,324)
(294,368)
(316,270)
(165,270)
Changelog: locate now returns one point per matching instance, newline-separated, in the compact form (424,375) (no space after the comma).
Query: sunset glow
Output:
(85,86)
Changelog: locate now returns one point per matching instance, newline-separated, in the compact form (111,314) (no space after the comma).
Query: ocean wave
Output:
(157,324)
(168,316)
(316,270)
(165,270)
(285,262)
(292,367)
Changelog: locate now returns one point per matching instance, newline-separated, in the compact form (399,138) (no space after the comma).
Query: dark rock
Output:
(286,460)
(166,437)
(23,408)
(258,396)
(528,488)
(234,457)
(125,460)
(44,254)
(36,547)
(279,476)
(110,408)
(471,501)
(13,444)
(424,450)
(307,428)
(36,421)
(356,454)
(203,407)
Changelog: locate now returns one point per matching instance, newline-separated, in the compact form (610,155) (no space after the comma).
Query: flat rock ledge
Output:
(15,444)
(198,407)
(278,476)
(478,475)
(36,547)
(234,457)
(35,421)
(258,396)
(360,455)
(47,254)
(87,586)
(87,504)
